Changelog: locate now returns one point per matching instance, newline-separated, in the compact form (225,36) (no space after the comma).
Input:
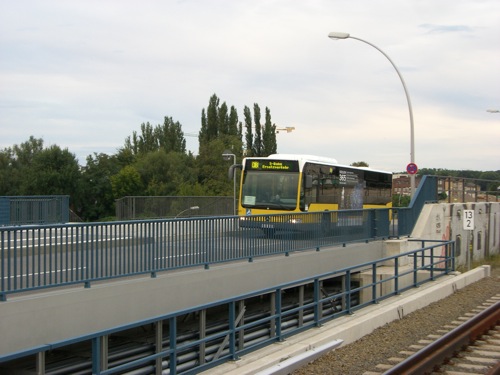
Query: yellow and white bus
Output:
(283,183)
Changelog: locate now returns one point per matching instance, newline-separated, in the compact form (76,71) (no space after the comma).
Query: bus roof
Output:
(321,159)
(313,158)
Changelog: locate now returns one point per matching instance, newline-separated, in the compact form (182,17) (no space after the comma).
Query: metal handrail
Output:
(426,259)
(35,257)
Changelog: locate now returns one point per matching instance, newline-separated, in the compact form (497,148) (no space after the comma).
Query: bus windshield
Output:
(270,190)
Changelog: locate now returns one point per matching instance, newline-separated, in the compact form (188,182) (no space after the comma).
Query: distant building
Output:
(460,189)
(450,189)
(401,183)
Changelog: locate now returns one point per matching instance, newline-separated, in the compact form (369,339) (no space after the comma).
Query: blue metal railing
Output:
(34,209)
(34,257)
(42,256)
(428,263)
(405,218)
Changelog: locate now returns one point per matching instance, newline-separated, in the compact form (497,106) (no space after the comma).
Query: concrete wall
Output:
(442,222)
(445,222)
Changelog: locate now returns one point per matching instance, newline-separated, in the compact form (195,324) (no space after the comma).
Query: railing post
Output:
(173,345)
(395,218)
(202,334)
(278,314)
(396,275)
(415,269)
(347,294)
(40,363)
(87,257)
(96,356)
(432,263)
(316,302)
(453,250)
(158,346)
(373,223)
(301,304)
(232,330)
(374,283)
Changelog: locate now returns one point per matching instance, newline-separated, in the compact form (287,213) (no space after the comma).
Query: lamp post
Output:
(226,155)
(288,129)
(340,35)
(187,209)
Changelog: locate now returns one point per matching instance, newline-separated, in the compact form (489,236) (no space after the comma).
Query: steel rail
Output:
(435,354)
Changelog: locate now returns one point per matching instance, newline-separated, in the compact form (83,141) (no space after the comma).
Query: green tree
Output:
(269,145)
(164,173)
(234,129)
(96,199)
(17,163)
(26,151)
(249,132)
(52,171)
(399,200)
(127,182)
(220,131)
(223,119)
(212,168)
(203,133)
(168,137)
(31,169)
(212,124)
(257,142)
(7,174)
(492,176)
(360,164)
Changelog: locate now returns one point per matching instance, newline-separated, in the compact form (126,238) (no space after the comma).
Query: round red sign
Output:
(412,168)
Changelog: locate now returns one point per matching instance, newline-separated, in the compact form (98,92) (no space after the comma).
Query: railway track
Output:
(468,345)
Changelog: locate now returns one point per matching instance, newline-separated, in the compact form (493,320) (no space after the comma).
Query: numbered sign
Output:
(468,219)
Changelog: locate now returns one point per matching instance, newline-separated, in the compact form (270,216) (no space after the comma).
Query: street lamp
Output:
(340,35)
(288,129)
(187,209)
(226,155)
(493,110)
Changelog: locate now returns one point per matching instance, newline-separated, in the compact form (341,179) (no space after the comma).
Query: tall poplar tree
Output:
(213,118)
(257,143)
(269,145)
(168,137)
(248,131)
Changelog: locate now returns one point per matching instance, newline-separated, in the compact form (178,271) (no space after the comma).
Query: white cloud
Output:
(85,74)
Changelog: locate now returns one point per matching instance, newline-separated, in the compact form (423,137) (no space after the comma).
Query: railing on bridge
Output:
(34,257)
(34,209)
(168,351)
(405,218)
(154,207)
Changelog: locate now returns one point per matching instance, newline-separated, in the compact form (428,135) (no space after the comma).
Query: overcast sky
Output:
(85,74)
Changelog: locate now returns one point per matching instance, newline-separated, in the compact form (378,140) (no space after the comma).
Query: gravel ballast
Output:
(387,341)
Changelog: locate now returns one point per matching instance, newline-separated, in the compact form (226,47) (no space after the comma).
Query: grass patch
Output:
(493,261)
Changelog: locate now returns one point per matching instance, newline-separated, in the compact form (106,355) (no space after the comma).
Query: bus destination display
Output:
(272,165)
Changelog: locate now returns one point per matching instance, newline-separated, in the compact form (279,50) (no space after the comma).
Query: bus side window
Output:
(309,181)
